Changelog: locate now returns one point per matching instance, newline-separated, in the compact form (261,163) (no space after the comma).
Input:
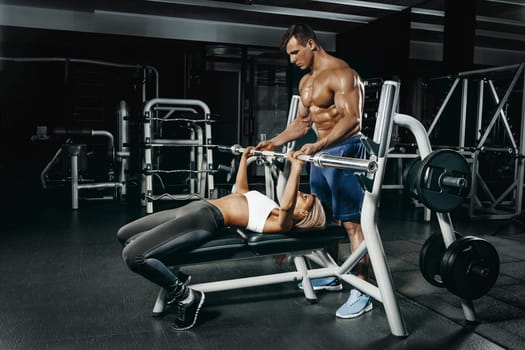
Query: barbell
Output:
(468,268)
(320,159)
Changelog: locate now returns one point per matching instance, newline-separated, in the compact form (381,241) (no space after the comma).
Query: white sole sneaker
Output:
(369,307)
(330,288)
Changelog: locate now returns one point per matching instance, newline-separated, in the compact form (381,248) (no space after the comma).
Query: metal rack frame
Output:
(200,136)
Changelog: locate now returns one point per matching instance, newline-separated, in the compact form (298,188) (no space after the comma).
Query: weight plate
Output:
(410,177)
(470,267)
(430,258)
(429,188)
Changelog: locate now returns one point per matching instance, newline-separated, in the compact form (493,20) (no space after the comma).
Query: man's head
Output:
(300,43)
(309,212)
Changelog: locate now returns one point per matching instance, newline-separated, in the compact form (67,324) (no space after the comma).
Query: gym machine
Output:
(157,114)
(489,106)
(77,155)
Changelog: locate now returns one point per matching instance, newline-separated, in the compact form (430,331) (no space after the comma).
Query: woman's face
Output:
(303,203)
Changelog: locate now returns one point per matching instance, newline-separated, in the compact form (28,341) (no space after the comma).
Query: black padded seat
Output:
(274,243)
(227,244)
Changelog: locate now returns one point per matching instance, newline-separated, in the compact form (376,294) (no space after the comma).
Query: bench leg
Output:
(309,293)
(322,258)
(160,304)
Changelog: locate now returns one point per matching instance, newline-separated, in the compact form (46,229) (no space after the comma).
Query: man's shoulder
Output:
(339,63)
(340,71)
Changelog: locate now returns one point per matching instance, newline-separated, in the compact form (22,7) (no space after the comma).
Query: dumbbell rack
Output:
(158,112)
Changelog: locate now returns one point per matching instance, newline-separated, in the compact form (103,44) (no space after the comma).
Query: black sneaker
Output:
(185,279)
(187,313)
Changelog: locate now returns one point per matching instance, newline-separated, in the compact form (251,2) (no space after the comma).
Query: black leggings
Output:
(150,241)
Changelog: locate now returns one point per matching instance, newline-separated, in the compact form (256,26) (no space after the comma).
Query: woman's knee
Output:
(132,257)
(124,234)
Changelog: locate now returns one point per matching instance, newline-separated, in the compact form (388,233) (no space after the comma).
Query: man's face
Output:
(300,55)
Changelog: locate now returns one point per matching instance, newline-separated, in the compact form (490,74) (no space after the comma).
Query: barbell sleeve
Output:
(454,181)
(324,160)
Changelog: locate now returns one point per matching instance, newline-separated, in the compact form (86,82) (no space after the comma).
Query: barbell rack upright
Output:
(205,184)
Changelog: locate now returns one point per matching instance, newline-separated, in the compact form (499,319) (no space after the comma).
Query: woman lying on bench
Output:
(148,241)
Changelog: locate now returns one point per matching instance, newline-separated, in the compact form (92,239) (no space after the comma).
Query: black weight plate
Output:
(428,188)
(470,267)
(410,177)
(430,259)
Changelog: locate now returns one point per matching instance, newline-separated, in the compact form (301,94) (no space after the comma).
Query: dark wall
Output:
(378,49)
(72,94)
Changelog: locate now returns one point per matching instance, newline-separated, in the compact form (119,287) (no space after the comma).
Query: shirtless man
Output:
(332,96)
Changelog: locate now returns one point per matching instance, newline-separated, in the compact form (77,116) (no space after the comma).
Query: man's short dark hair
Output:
(302,34)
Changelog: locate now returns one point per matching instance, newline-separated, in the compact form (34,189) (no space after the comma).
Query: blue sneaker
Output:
(324,283)
(356,305)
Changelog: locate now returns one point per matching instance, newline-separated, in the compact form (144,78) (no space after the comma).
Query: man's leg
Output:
(358,303)
(355,235)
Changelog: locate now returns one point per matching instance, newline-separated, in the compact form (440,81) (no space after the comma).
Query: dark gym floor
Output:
(64,286)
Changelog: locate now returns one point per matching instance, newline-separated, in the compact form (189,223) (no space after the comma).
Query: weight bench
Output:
(231,243)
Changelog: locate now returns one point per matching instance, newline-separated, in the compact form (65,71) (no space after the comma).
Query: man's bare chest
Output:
(315,92)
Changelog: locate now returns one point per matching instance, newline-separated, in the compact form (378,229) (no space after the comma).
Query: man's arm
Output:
(297,129)
(348,100)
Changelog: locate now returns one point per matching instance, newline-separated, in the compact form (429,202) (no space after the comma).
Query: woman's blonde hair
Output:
(316,217)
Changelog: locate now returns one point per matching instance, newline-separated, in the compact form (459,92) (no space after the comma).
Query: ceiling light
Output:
(367,4)
(509,2)
(276,10)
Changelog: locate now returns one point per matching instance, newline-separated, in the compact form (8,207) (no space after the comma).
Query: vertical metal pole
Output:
(382,134)
(147,166)
(123,145)
(479,119)
(209,153)
(474,183)
(292,113)
(463,116)
(520,161)
(475,154)
(74,177)
(193,162)
(200,166)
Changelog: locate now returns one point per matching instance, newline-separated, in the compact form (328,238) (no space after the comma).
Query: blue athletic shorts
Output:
(338,189)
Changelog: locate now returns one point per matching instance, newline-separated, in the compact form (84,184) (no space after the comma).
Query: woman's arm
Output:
(284,221)
(241,181)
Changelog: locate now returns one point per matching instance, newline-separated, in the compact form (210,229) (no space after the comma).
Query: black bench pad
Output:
(274,243)
(228,244)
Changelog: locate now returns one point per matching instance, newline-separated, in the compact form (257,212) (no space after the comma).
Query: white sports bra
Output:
(259,208)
